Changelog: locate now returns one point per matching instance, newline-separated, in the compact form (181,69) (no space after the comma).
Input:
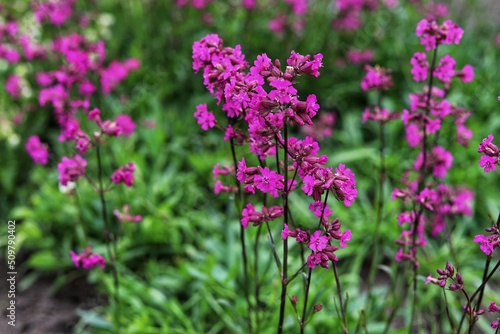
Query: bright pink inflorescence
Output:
(265,99)
(432,202)
(75,70)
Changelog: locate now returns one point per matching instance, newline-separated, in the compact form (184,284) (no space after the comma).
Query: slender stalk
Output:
(256,273)
(110,244)
(284,272)
(379,210)
(480,288)
(339,293)
(450,319)
(303,321)
(421,183)
(242,241)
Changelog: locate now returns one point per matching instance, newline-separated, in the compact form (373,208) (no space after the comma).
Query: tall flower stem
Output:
(110,244)
(341,300)
(478,291)
(242,240)
(284,272)
(421,184)
(379,208)
(303,321)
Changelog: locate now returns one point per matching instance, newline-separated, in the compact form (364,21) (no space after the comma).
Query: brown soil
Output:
(41,311)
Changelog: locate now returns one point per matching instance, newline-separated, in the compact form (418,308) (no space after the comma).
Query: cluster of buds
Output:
(448,273)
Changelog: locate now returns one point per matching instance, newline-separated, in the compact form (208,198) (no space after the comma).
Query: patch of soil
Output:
(40,311)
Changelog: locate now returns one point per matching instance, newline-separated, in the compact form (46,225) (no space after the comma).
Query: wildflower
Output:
(37,150)
(317,242)
(13,86)
(125,216)
(124,174)
(206,119)
(88,259)
(71,169)
(376,78)
(269,181)
(126,124)
(445,69)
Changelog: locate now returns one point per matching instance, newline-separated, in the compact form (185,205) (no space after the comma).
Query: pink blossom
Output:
(269,181)
(346,236)
(486,244)
(124,215)
(115,73)
(126,124)
(466,74)
(446,68)
(88,259)
(360,56)
(206,118)
(248,4)
(13,85)
(419,66)
(71,169)
(285,233)
(37,150)
(56,11)
(376,78)
(124,174)
(317,242)
(488,163)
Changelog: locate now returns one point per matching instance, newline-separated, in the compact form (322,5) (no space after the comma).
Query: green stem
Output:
(242,240)
(339,293)
(421,184)
(110,244)
(284,272)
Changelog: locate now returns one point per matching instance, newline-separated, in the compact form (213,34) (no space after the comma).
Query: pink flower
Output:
(419,66)
(248,4)
(37,150)
(56,11)
(376,78)
(285,233)
(206,118)
(466,74)
(485,244)
(346,236)
(13,86)
(125,216)
(126,124)
(317,242)
(488,163)
(88,259)
(269,182)
(71,169)
(115,73)
(446,68)
(124,174)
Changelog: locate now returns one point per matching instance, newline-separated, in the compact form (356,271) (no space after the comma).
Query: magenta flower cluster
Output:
(265,111)
(488,243)
(432,203)
(75,71)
